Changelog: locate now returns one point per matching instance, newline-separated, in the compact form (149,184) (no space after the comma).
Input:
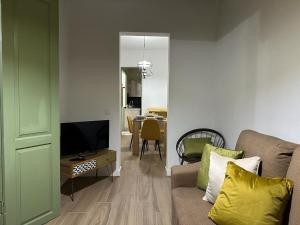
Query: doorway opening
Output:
(144,75)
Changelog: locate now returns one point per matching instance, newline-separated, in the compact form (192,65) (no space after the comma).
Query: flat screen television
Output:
(83,138)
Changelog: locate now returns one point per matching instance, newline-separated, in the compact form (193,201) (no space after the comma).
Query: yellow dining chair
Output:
(150,132)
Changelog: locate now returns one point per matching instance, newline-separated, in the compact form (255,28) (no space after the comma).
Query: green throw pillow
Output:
(193,147)
(202,180)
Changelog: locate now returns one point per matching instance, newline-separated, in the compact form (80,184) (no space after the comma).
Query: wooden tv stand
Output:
(71,167)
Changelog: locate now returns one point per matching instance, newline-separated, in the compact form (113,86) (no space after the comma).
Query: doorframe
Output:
(2,216)
(124,33)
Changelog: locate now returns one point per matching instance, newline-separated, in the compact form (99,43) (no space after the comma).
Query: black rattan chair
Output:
(217,140)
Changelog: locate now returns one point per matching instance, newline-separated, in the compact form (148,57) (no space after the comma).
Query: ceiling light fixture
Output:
(144,65)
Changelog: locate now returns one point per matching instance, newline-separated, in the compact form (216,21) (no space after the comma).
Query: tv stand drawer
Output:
(84,167)
(73,168)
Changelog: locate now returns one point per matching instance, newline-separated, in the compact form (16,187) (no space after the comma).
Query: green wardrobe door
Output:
(30,111)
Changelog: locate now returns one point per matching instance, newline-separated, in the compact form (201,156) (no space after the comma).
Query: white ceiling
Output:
(137,42)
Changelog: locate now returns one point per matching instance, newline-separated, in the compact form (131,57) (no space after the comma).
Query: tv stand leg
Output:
(112,172)
(72,190)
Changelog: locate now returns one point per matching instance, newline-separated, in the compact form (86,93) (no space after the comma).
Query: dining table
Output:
(138,123)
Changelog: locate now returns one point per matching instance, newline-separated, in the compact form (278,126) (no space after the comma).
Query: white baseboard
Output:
(117,172)
(168,171)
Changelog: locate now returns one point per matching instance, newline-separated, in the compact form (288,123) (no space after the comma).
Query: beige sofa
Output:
(279,158)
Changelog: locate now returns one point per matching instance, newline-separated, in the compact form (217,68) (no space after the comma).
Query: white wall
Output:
(236,80)
(89,38)
(258,68)
(192,91)
(154,88)
(248,78)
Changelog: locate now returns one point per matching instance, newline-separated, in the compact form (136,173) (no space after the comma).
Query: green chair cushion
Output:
(193,147)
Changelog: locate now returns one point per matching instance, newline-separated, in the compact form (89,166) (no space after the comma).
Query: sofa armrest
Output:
(184,176)
(294,174)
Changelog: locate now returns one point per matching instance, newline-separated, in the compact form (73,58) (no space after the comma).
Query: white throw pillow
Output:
(217,171)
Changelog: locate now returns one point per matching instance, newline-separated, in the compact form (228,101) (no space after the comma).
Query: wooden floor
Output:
(140,196)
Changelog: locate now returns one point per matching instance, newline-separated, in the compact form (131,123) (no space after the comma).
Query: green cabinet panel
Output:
(33,52)
(36,197)
(29,78)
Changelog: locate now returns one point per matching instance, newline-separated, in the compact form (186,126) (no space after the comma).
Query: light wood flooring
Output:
(140,196)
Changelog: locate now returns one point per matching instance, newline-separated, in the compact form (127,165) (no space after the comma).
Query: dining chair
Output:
(151,132)
(130,128)
(158,111)
(215,137)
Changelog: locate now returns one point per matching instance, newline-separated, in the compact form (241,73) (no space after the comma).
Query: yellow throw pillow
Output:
(247,199)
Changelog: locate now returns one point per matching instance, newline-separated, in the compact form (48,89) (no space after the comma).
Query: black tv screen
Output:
(80,137)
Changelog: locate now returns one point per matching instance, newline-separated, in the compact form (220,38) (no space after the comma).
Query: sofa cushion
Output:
(189,208)
(246,198)
(217,171)
(202,179)
(275,153)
